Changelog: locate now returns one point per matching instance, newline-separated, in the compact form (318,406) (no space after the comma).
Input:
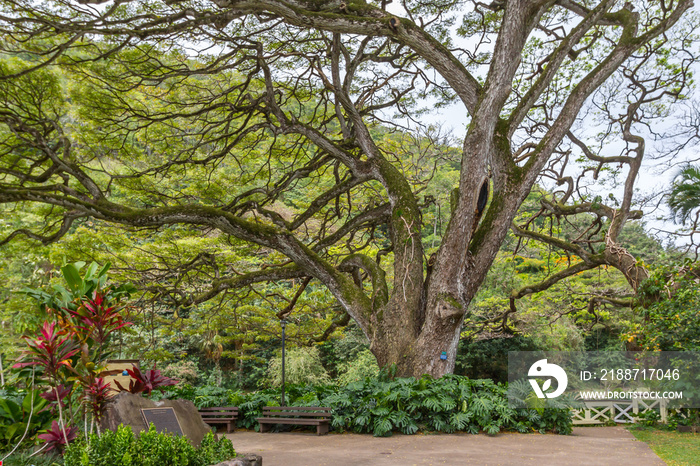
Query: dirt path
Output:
(587,446)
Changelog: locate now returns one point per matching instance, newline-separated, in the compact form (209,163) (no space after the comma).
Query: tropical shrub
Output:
(62,298)
(684,417)
(57,437)
(184,371)
(69,354)
(149,448)
(302,365)
(21,411)
(203,396)
(379,406)
(364,365)
(670,309)
(27,458)
(449,404)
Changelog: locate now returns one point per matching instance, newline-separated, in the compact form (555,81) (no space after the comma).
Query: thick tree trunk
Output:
(416,353)
(415,357)
(420,323)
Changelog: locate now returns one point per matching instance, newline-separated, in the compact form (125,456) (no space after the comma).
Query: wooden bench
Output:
(222,415)
(297,415)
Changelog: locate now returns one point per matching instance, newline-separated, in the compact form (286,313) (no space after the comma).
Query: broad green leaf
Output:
(72,277)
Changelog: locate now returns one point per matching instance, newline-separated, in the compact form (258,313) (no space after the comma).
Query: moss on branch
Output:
(380,289)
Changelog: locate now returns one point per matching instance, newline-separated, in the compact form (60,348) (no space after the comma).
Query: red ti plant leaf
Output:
(97,395)
(147,381)
(49,350)
(96,320)
(55,439)
(50,396)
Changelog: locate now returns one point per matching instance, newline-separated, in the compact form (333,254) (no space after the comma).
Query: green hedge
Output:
(149,448)
(408,405)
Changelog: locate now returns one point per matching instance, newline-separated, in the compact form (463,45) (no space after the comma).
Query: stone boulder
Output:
(125,409)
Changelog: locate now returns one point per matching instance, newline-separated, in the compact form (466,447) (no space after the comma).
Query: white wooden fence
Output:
(619,411)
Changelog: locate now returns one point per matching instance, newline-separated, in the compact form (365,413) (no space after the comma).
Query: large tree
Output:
(289,102)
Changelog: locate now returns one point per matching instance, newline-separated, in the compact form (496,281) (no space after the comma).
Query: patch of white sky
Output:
(657,172)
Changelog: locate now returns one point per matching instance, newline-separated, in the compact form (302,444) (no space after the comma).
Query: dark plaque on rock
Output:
(163,419)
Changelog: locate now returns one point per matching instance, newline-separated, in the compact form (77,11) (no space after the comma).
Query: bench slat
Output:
(319,416)
(223,409)
(297,415)
(278,412)
(292,421)
(297,408)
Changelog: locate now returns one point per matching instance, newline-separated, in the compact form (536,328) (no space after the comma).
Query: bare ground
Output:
(587,446)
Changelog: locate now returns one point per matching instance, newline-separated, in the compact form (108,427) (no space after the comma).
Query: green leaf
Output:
(33,398)
(13,429)
(72,277)
(90,271)
(10,410)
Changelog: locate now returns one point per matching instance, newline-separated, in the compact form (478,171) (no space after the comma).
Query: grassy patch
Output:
(675,448)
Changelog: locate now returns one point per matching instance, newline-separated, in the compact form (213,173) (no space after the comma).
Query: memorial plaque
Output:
(164,419)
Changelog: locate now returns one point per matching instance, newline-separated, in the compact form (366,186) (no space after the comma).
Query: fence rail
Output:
(604,411)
